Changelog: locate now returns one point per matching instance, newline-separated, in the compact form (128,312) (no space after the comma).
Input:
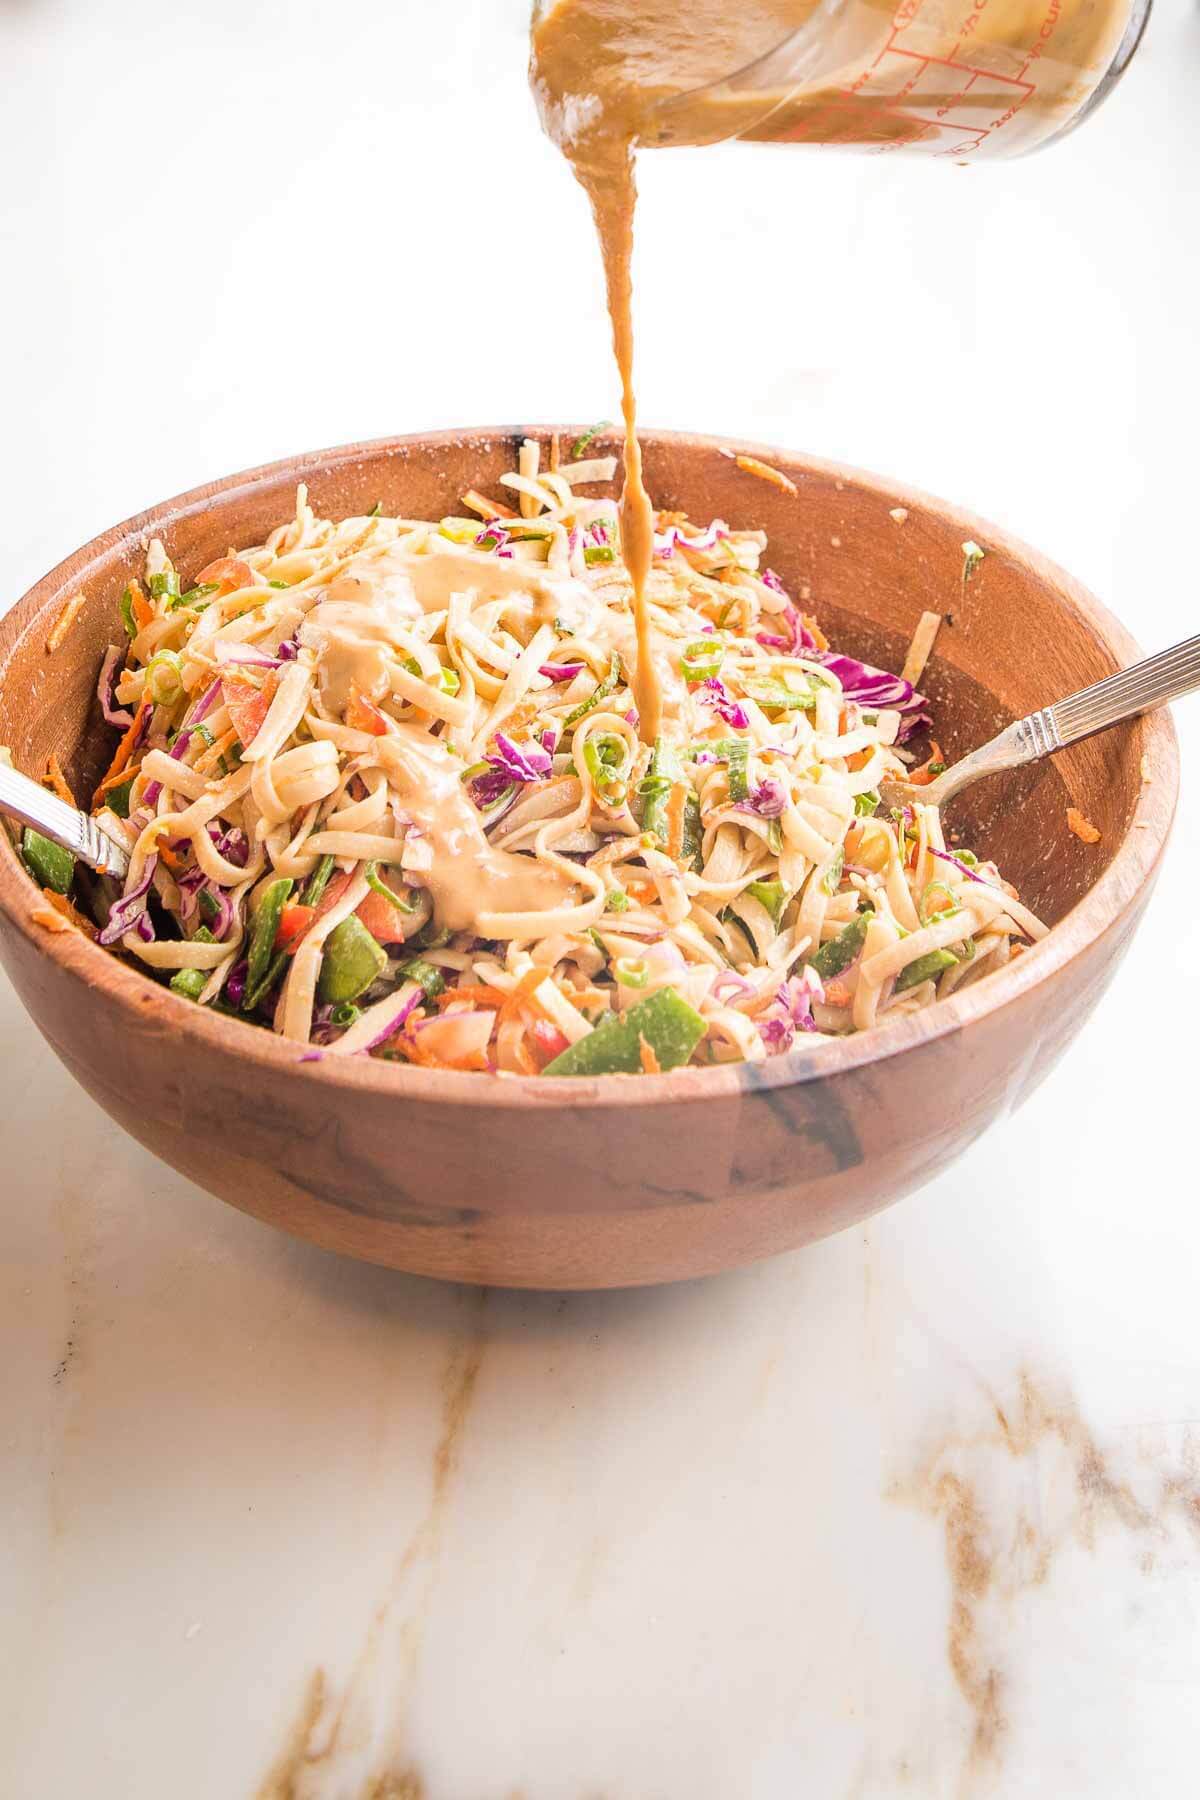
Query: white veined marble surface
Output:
(913,1512)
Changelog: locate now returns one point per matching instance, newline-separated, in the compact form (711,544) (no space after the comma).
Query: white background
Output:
(679,1553)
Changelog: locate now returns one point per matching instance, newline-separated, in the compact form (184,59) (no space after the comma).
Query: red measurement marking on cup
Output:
(889,89)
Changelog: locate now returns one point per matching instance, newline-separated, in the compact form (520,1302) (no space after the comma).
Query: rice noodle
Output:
(435,724)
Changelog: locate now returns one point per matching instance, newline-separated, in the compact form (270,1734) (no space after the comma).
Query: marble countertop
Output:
(915,1511)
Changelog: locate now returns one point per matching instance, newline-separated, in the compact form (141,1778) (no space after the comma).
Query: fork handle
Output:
(1153,682)
(62,824)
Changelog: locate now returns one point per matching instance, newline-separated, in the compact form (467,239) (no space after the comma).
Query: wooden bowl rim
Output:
(1132,867)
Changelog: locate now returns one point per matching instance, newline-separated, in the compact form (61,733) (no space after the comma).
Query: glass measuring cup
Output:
(967,79)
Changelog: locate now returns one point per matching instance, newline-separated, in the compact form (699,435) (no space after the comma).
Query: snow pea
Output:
(835,956)
(50,865)
(670,1027)
(352,961)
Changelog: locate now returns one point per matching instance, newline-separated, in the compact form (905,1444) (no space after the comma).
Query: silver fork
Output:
(1153,682)
(62,824)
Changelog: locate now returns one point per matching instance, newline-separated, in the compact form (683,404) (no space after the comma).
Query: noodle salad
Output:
(383,791)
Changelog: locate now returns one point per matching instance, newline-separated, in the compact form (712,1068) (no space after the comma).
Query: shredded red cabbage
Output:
(235,982)
(129,912)
(714,693)
(233,844)
(729,978)
(877,689)
(191,880)
(490,791)
(519,762)
(206,702)
(777,1033)
(791,1012)
(246,654)
(799,640)
(495,537)
(768,799)
(220,924)
(397,1021)
(770,579)
(945,856)
(114,659)
(560,671)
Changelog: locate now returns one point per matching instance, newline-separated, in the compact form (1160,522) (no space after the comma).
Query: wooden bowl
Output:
(617,1181)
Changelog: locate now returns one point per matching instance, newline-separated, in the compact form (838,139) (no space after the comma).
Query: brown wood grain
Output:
(620,1180)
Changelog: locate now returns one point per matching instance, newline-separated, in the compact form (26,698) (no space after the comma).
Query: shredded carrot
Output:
(642,891)
(228,572)
(411,1047)
(208,759)
(175,860)
(64,622)
(429,1059)
(923,776)
(818,636)
(57,781)
(69,912)
(837,994)
(1082,827)
(650,1063)
(581,998)
(858,759)
(676,809)
(125,748)
(143,612)
(488,509)
(514,1000)
(477,992)
(48,917)
(116,781)
(765,472)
